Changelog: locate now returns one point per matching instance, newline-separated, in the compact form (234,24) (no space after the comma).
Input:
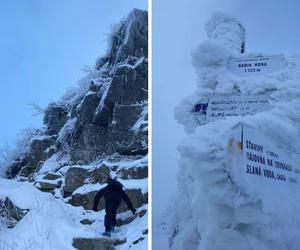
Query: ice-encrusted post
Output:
(226,31)
(239,170)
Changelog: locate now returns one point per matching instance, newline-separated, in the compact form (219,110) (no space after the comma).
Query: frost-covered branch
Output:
(36,109)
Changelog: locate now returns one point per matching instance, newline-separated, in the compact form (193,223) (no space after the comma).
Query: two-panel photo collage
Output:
(150,124)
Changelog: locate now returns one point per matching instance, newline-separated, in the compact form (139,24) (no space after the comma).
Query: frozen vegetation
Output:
(98,129)
(214,209)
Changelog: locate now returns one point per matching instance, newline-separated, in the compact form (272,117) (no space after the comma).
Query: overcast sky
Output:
(178,28)
(44,46)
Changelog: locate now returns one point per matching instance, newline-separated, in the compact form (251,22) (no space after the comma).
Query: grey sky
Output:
(43,47)
(178,28)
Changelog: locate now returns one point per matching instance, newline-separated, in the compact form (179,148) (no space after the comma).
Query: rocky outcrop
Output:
(46,185)
(39,152)
(129,143)
(99,174)
(87,200)
(87,107)
(52,176)
(129,136)
(129,219)
(15,167)
(91,143)
(133,173)
(131,38)
(55,117)
(106,114)
(76,177)
(11,212)
(98,130)
(97,243)
(128,86)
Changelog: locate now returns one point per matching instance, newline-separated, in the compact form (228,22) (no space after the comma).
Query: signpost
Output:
(219,106)
(253,66)
(263,165)
(264,160)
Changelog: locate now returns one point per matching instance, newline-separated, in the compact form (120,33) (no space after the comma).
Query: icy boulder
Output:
(236,196)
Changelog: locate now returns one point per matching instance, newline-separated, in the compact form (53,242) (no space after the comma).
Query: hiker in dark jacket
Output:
(113,194)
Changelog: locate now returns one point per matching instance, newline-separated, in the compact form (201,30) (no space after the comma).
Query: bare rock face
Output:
(133,173)
(125,116)
(55,117)
(14,168)
(97,243)
(90,144)
(87,200)
(129,143)
(128,86)
(137,197)
(131,39)
(87,107)
(11,212)
(129,219)
(75,177)
(86,222)
(49,185)
(99,174)
(52,176)
(129,135)
(37,154)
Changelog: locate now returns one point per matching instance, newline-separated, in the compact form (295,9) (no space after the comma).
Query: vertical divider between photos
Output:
(149,124)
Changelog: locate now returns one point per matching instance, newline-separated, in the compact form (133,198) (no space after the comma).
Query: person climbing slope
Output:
(113,194)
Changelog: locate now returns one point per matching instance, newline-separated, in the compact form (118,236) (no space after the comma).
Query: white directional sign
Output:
(263,165)
(222,106)
(262,159)
(252,66)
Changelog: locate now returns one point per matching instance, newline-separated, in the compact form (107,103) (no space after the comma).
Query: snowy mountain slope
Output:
(220,212)
(52,224)
(96,130)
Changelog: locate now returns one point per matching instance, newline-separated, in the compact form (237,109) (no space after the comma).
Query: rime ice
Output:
(223,204)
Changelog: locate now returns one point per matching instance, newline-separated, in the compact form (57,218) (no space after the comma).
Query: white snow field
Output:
(52,224)
(223,204)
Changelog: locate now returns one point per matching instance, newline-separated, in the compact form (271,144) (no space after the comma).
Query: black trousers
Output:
(112,202)
(110,220)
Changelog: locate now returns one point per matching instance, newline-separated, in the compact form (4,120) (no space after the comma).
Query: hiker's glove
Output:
(133,211)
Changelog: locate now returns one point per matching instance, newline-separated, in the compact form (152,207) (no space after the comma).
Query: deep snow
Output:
(52,224)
